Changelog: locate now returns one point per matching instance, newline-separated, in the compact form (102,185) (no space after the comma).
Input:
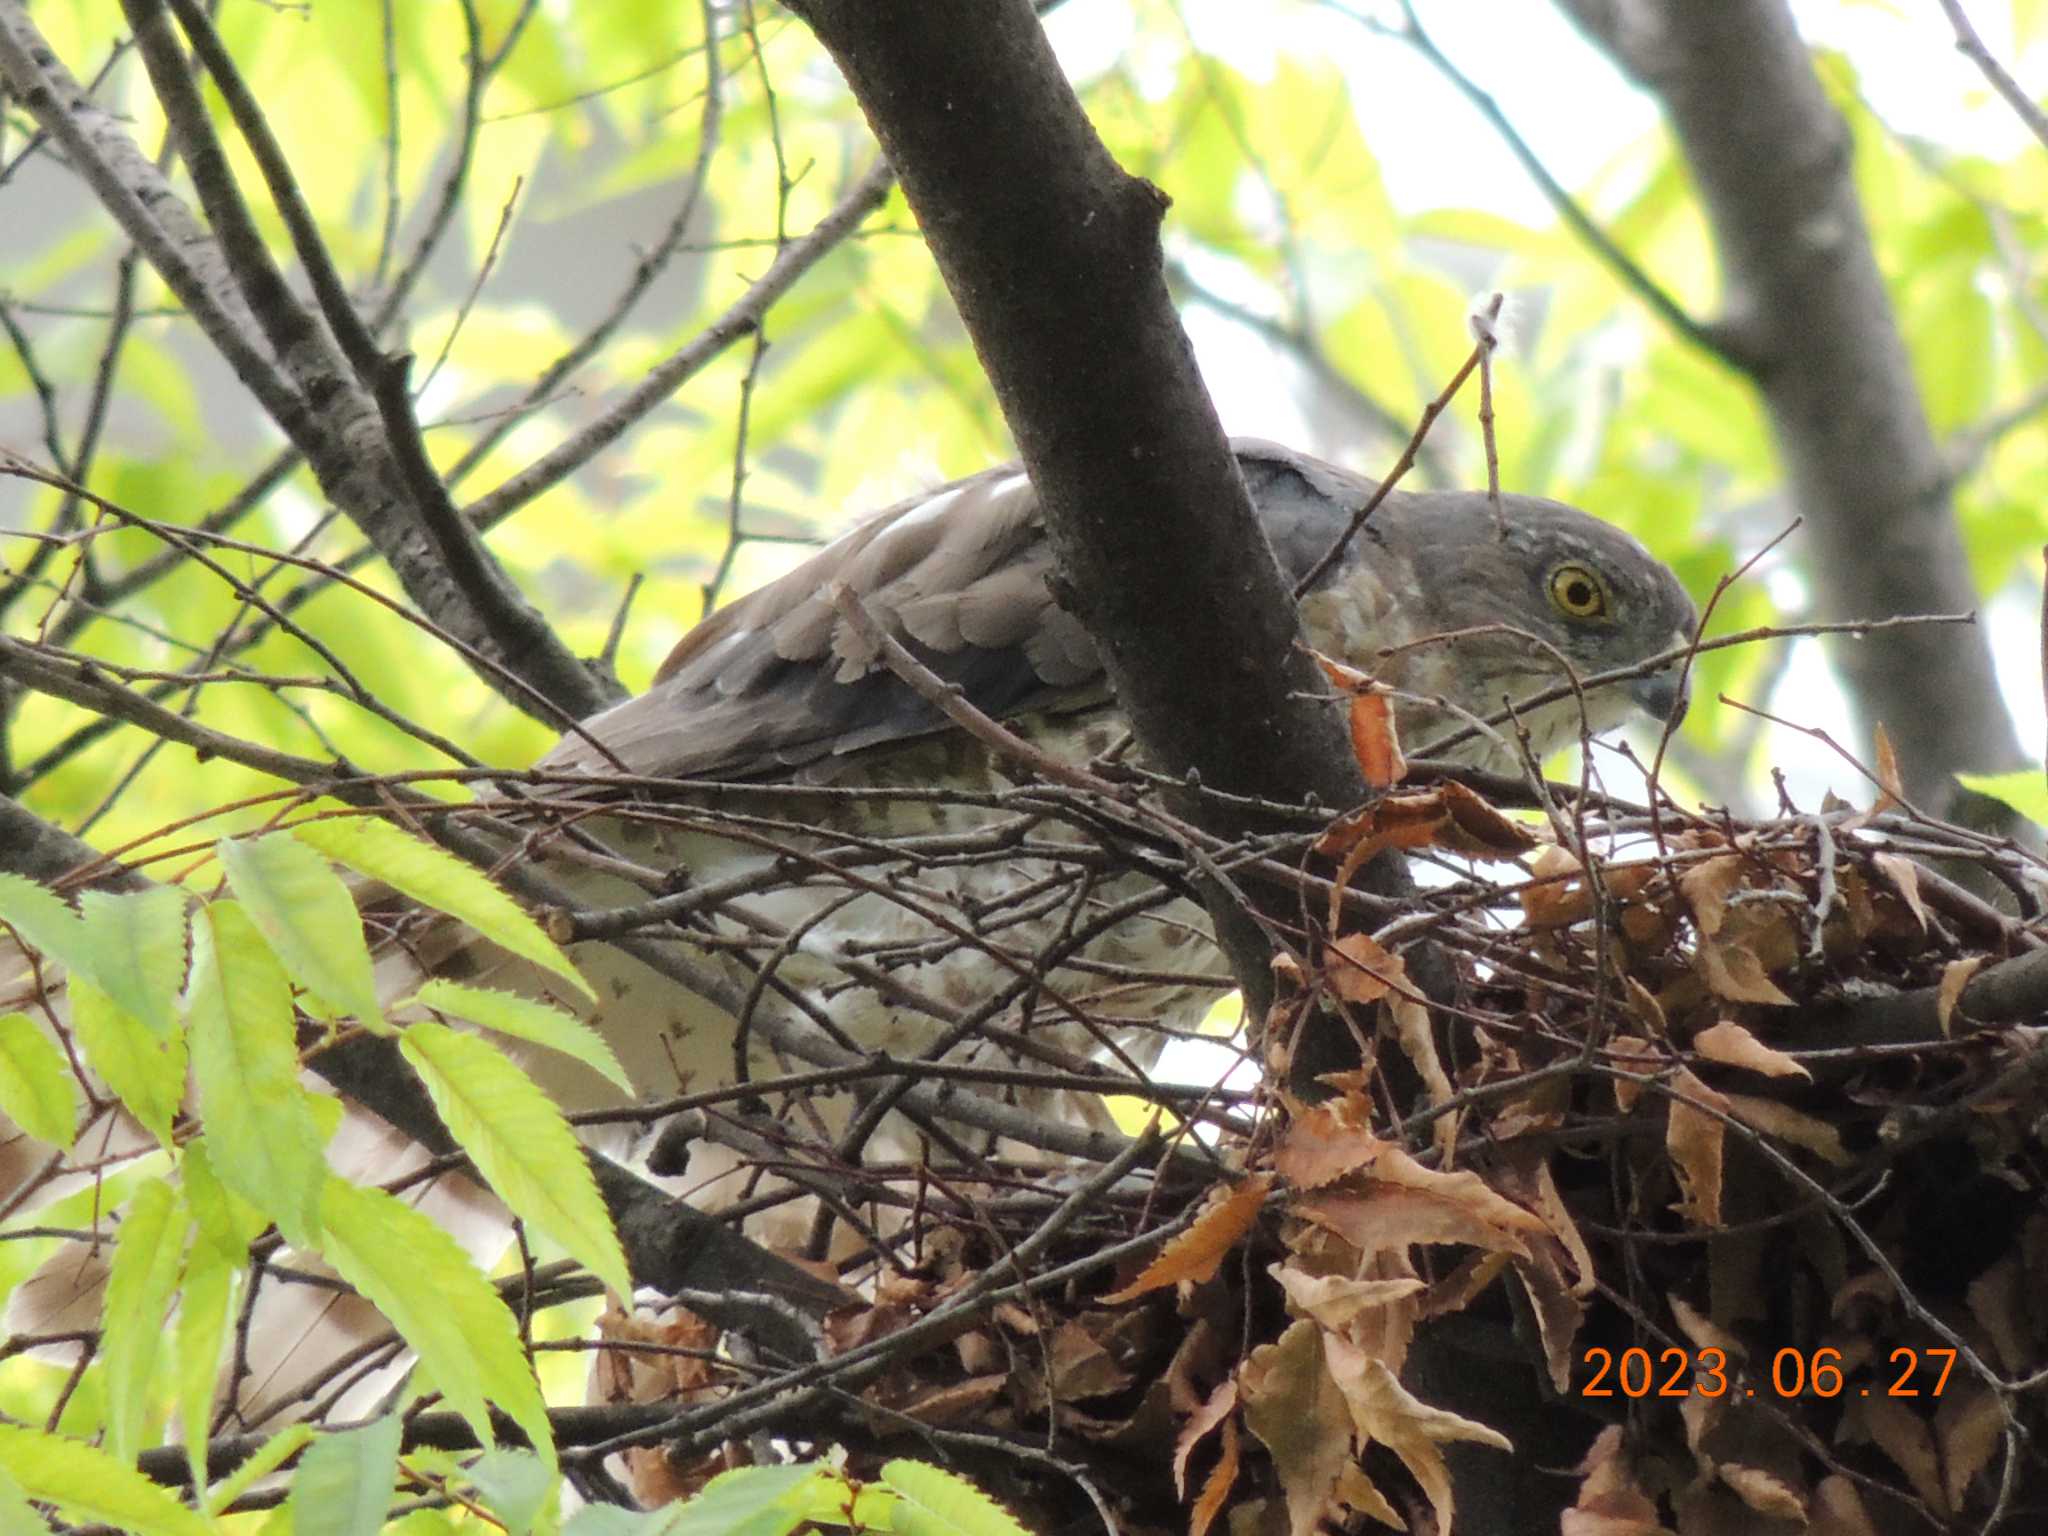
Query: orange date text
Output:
(1675,1372)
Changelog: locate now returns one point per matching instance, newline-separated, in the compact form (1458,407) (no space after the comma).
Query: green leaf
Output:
(88,1484)
(15,1514)
(44,921)
(270,1455)
(309,918)
(749,1501)
(265,1143)
(416,1275)
(137,940)
(937,1503)
(226,1220)
(516,1486)
(202,1328)
(36,1089)
(526,1018)
(2026,791)
(519,1142)
(131,945)
(343,1486)
(146,1073)
(149,1252)
(610,1520)
(438,880)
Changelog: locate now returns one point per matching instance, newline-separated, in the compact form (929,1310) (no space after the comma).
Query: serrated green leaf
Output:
(2025,790)
(748,1501)
(526,1018)
(202,1328)
(306,913)
(439,880)
(516,1486)
(137,951)
(610,1520)
(149,1253)
(146,1073)
(936,1502)
(44,921)
(519,1142)
(226,1221)
(88,1484)
(416,1275)
(15,1514)
(270,1455)
(343,1486)
(266,1145)
(36,1090)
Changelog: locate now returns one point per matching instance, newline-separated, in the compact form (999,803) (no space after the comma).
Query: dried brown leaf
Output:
(1969,1427)
(1765,1492)
(1357,1491)
(1410,1019)
(1558,1308)
(1326,1142)
(1955,976)
(1558,897)
(1891,788)
(1693,1137)
(1906,1438)
(1198,1253)
(1336,1301)
(1610,1502)
(1388,1218)
(1838,1509)
(1703,1331)
(1479,831)
(1361,970)
(1383,1411)
(1997,1300)
(1735,971)
(1785,1123)
(1463,1285)
(1904,876)
(1731,1044)
(1216,1487)
(1214,1410)
(1301,1417)
(1707,886)
(1629,1053)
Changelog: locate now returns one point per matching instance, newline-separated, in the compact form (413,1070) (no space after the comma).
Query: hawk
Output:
(782,855)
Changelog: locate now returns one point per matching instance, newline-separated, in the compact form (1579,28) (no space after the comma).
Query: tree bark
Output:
(1807,311)
(1051,253)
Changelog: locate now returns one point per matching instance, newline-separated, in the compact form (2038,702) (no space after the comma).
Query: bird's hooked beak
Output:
(1662,695)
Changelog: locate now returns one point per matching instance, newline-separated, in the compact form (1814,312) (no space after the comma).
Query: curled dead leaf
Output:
(1326,1142)
(1196,1254)
(1765,1492)
(1215,1409)
(1784,1123)
(1955,976)
(1735,971)
(1216,1487)
(1694,1137)
(1732,1045)
(1374,741)
(1362,970)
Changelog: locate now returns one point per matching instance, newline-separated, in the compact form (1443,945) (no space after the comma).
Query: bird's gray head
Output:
(1518,598)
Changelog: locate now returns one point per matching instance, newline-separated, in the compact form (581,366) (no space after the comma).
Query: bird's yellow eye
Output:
(1578,592)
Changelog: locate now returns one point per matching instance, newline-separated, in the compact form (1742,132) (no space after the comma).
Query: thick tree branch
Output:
(286,354)
(1772,161)
(1051,252)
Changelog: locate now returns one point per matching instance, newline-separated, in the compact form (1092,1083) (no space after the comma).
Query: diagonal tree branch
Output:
(1772,160)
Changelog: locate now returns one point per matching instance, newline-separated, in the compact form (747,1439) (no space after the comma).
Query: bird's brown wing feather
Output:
(777,685)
